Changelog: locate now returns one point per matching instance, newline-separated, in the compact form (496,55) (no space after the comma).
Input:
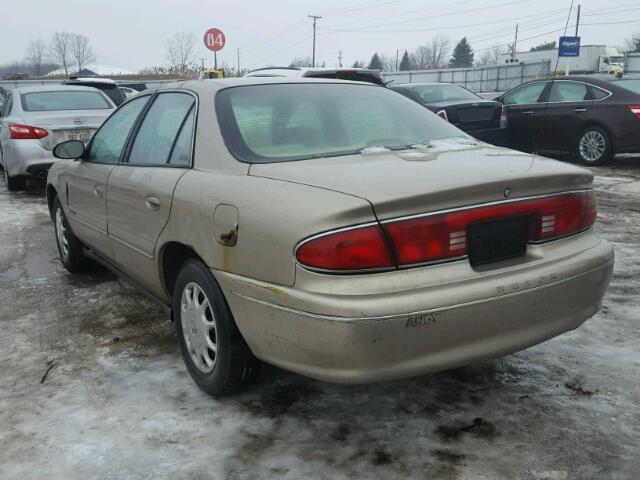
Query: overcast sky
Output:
(131,33)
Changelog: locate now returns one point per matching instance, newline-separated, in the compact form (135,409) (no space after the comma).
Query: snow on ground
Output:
(117,403)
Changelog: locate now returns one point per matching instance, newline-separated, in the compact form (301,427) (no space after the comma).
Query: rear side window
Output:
(160,127)
(64,100)
(181,154)
(598,93)
(525,95)
(107,144)
(568,92)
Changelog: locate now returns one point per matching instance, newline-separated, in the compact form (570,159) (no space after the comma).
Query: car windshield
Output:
(63,100)
(443,93)
(630,84)
(281,122)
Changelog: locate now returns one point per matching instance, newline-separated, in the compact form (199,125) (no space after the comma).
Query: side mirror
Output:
(69,150)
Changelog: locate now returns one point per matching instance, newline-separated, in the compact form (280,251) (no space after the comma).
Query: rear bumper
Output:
(27,157)
(494,136)
(351,338)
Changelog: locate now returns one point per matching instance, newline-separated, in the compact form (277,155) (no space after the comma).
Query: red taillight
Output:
(361,248)
(635,109)
(442,236)
(26,132)
(503,117)
(443,114)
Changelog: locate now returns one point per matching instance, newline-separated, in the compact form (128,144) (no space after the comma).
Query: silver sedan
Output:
(34,119)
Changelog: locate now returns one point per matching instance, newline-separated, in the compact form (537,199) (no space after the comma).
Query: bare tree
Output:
(82,51)
(440,48)
(60,50)
(422,58)
(491,55)
(301,62)
(35,56)
(632,43)
(179,50)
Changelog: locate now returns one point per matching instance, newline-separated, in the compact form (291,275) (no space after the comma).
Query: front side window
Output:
(444,93)
(282,122)
(64,100)
(108,143)
(525,95)
(568,92)
(159,130)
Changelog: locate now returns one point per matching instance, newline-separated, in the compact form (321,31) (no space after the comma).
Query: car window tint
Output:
(525,95)
(598,93)
(64,100)
(159,129)
(444,93)
(108,142)
(181,154)
(568,92)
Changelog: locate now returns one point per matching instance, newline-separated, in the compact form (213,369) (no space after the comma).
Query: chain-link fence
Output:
(494,78)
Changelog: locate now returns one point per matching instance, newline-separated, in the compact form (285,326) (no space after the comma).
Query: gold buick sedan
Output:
(335,229)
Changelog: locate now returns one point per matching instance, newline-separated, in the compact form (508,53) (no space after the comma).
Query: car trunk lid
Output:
(444,175)
(69,125)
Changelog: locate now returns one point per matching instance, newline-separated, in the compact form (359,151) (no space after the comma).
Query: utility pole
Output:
(202,61)
(313,57)
(567,69)
(340,58)
(515,45)
(578,20)
(397,51)
(238,70)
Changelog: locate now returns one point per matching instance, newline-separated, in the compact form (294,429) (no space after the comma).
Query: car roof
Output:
(52,88)
(90,80)
(213,85)
(301,71)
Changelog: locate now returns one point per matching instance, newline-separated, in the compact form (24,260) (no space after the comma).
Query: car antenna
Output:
(555,69)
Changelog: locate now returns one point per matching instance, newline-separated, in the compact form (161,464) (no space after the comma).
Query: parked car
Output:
(106,85)
(590,117)
(483,119)
(34,119)
(353,74)
(335,229)
(128,92)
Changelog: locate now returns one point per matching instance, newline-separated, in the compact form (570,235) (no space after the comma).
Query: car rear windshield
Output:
(282,122)
(631,84)
(352,75)
(63,100)
(444,93)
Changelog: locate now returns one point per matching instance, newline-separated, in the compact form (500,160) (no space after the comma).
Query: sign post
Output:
(214,40)
(569,47)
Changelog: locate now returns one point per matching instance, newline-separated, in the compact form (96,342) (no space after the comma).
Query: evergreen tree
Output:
(462,55)
(543,46)
(375,63)
(357,64)
(405,63)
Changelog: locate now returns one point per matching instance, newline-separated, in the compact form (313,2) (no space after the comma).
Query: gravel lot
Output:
(93,386)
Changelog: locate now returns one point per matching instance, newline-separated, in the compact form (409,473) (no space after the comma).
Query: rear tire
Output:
(217,357)
(16,183)
(594,146)
(69,247)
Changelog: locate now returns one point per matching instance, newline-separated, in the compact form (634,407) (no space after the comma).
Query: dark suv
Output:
(106,85)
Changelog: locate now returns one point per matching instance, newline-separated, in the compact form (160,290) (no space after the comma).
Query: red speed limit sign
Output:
(214,39)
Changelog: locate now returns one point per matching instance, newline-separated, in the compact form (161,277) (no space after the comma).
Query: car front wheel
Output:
(594,147)
(217,357)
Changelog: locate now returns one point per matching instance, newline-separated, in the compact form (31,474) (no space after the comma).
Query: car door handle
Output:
(98,190)
(152,202)
(529,112)
(579,110)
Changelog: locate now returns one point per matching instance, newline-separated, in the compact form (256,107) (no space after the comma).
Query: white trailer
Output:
(632,63)
(592,59)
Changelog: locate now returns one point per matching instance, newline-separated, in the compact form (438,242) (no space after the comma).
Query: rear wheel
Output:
(217,357)
(69,247)
(594,146)
(14,183)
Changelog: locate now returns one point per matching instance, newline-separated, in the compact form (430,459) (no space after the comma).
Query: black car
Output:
(106,85)
(481,118)
(588,116)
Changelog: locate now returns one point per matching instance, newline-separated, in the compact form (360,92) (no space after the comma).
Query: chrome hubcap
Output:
(199,327)
(61,234)
(592,146)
